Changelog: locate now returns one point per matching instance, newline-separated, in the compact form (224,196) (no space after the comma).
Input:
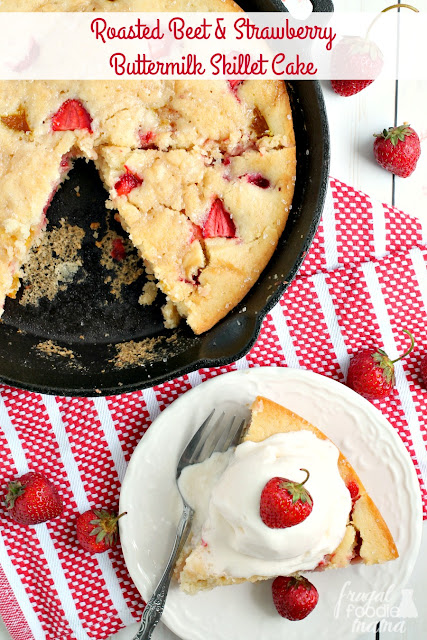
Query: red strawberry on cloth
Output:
(32,499)
(397,149)
(127,182)
(371,372)
(219,223)
(71,116)
(294,597)
(285,503)
(97,530)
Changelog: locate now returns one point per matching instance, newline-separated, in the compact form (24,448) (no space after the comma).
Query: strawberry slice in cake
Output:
(71,116)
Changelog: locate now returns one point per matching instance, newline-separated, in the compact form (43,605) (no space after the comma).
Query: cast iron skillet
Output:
(87,320)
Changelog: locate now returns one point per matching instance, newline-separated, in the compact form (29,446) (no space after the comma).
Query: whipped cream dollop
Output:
(225,492)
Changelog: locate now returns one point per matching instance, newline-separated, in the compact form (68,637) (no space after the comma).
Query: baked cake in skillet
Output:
(201,172)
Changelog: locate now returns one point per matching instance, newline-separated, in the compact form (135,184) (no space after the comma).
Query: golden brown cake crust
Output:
(177,191)
(268,418)
(377,544)
(229,134)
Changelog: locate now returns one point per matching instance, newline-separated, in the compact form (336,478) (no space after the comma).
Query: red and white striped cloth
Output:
(363,280)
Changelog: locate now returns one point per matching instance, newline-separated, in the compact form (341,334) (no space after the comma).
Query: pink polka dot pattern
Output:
(354,224)
(315,259)
(309,332)
(402,231)
(171,390)
(267,351)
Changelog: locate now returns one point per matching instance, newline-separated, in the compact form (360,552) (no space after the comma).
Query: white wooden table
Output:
(353,121)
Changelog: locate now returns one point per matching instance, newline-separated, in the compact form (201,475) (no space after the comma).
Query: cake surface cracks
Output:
(201,172)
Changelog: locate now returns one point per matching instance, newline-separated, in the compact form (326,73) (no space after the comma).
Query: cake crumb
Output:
(52,264)
(149,293)
(52,348)
(170,315)
(148,351)
(66,271)
(127,269)
(139,353)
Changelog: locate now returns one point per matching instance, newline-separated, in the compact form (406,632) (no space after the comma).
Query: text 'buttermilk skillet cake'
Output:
(230,541)
(201,172)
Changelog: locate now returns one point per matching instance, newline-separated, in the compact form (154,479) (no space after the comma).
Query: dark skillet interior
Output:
(89,321)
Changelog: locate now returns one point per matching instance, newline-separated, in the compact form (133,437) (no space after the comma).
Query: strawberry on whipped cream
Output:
(225,492)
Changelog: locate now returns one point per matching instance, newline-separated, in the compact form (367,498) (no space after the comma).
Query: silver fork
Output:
(201,446)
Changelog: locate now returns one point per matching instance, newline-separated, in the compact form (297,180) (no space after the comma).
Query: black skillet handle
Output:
(324,6)
(277,5)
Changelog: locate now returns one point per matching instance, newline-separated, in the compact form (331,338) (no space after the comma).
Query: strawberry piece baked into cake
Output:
(286,500)
(201,172)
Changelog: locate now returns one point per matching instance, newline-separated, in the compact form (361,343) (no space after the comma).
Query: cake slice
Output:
(206,228)
(30,175)
(365,536)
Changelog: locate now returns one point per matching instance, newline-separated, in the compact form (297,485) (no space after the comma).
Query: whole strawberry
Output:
(397,149)
(423,369)
(97,530)
(294,597)
(371,372)
(32,499)
(359,56)
(285,503)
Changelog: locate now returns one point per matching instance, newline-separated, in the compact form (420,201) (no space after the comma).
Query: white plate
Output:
(246,611)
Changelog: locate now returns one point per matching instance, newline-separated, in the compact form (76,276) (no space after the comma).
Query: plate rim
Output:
(185,632)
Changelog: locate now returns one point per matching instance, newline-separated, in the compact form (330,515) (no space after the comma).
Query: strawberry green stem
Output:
(393,6)
(304,481)
(410,348)
(121,515)
(15,489)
